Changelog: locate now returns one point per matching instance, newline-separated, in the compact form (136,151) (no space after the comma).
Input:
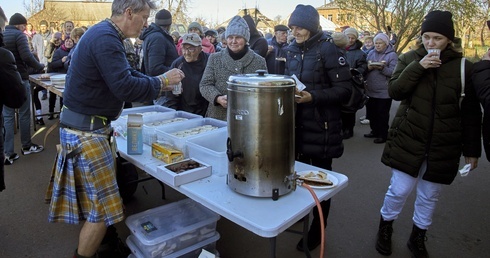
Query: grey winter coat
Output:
(219,68)
(377,80)
(429,124)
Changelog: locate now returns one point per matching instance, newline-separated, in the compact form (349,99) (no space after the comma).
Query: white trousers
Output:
(401,185)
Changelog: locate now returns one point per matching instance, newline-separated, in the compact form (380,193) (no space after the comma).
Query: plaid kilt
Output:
(84,186)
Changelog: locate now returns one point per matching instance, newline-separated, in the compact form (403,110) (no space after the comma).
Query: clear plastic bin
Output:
(169,134)
(192,251)
(172,227)
(211,149)
(164,119)
(150,113)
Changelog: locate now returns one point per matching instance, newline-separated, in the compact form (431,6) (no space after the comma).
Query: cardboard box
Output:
(166,153)
(183,172)
(135,134)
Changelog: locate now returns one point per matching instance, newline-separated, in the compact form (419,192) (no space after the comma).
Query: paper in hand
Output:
(299,85)
(464,171)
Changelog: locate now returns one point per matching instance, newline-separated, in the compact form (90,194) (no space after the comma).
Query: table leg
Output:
(33,108)
(306,224)
(272,242)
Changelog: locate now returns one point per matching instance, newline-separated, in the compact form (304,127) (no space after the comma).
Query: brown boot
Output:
(416,243)
(383,244)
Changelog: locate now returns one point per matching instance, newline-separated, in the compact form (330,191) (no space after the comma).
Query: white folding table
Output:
(262,216)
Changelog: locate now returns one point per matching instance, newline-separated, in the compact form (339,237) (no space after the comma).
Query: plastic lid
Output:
(261,78)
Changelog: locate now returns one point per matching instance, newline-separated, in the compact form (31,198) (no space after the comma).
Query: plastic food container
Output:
(177,134)
(210,148)
(173,227)
(164,119)
(150,114)
(192,251)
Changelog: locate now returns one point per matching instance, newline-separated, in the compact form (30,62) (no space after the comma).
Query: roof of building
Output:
(82,11)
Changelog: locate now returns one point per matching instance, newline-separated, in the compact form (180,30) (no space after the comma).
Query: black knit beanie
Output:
(305,16)
(440,22)
(17,19)
(163,18)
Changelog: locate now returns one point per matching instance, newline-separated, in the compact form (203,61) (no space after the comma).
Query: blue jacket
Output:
(322,67)
(57,65)
(276,66)
(100,79)
(159,50)
(16,42)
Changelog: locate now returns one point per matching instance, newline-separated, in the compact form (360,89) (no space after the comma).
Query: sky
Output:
(214,11)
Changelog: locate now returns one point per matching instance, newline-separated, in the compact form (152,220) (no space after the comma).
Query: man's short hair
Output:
(119,6)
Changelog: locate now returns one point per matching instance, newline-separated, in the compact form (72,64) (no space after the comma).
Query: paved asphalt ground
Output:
(461,226)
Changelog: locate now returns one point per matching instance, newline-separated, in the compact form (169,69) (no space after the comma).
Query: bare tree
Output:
(178,9)
(33,6)
(404,16)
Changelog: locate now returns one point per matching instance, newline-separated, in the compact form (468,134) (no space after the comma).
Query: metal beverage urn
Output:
(260,144)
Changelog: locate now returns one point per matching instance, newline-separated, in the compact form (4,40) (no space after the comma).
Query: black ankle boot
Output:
(315,233)
(112,246)
(383,244)
(416,243)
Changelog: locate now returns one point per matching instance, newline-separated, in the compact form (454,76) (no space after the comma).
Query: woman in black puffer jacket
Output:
(322,68)
(481,81)
(430,131)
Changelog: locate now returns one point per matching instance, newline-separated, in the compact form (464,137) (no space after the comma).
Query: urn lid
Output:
(261,78)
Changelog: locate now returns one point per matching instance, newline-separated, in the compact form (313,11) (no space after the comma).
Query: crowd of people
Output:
(433,127)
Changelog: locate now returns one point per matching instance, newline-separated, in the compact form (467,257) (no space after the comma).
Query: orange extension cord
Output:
(322,223)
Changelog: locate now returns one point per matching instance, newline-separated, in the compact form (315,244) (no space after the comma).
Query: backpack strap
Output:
(463,81)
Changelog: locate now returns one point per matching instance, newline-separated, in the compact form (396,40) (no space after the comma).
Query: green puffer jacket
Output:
(429,124)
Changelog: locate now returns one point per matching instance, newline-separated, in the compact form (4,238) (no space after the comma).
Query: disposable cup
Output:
(177,89)
(435,50)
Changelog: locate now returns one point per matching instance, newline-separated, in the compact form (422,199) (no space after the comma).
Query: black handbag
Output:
(358,97)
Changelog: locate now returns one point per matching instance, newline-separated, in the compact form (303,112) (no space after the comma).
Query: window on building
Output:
(329,17)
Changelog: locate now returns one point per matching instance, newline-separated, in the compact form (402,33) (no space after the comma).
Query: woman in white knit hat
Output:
(237,58)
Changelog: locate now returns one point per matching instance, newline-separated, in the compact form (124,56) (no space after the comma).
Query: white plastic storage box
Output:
(192,251)
(150,113)
(145,110)
(177,134)
(164,119)
(172,227)
(211,149)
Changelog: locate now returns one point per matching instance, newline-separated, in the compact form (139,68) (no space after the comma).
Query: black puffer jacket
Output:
(356,57)
(16,42)
(159,50)
(322,67)
(429,124)
(481,81)
(191,99)
(257,42)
